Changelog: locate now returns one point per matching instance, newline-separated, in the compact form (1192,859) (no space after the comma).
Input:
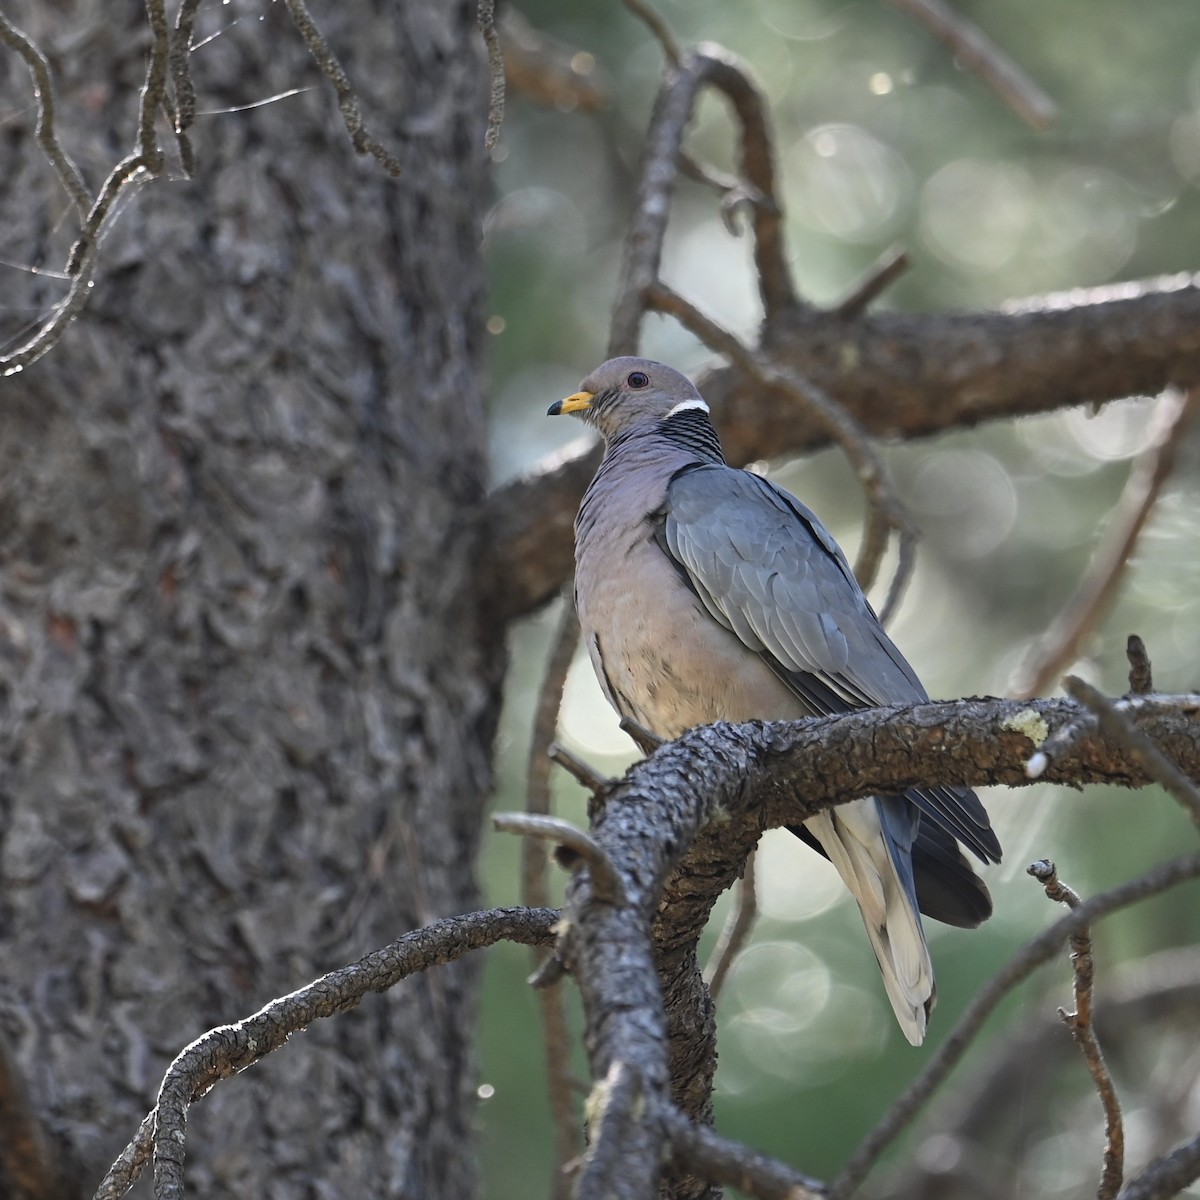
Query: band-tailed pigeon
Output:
(707,593)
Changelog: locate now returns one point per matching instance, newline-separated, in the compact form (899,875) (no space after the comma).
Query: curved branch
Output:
(684,819)
(903,376)
(1031,956)
(713,66)
(228,1049)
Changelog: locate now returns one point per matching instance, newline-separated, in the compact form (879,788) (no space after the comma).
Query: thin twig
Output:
(1031,956)
(1068,735)
(705,1154)
(154,90)
(549,971)
(906,562)
(757,168)
(1141,674)
(852,438)
(43,91)
(673,110)
(332,69)
(181,81)
(586,774)
(534,857)
(1083,1031)
(574,849)
(146,161)
(536,894)
(1098,588)
(736,194)
(657,26)
(879,277)
(980,54)
(1117,726)
(549,72)
(491,39)
(736,931)
(647,741)
(223,1052)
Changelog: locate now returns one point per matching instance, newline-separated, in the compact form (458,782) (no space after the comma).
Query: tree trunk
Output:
(245,698)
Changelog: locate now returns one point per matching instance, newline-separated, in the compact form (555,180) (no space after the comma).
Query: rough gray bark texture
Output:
(245,703)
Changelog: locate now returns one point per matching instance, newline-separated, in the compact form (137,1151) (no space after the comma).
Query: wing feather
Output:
(765,568)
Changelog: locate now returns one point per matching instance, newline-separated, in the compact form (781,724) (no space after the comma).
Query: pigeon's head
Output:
(627,392)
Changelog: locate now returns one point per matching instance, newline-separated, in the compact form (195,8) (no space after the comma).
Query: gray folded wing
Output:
(766,569)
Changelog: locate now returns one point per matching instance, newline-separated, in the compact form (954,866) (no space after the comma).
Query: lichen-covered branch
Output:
(657,828)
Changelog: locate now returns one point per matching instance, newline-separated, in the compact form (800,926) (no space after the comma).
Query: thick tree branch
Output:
(901,376)
(683,821)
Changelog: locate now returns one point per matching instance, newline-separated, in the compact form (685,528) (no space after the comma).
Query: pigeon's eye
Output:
(638,379)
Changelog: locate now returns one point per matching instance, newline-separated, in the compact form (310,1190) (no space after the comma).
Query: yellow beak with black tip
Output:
(579,402)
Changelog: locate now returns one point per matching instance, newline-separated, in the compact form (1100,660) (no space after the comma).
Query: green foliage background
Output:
(882,140)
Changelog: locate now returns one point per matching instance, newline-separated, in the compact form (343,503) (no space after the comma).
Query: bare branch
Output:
(698,1149)
(736,932)
(546,70)
(146,161)
(1141,676)
(579,770)
(1160,989)
(1115,724)
(1082,1030)
(130,1163)
(535,893)
(899,375)
(712,792)
(534,859)
(575,849)
(664,141)
(645,741)
(487,24)
(1036,952)
(877,280)
(43,91)
(1059,647)
(736,194)
(181,80)
(885,510)
(228,1049)
(332,69)
(154,90)
(658,27)
(981,55)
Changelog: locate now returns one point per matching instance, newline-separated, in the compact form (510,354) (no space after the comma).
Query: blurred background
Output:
(883,140)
